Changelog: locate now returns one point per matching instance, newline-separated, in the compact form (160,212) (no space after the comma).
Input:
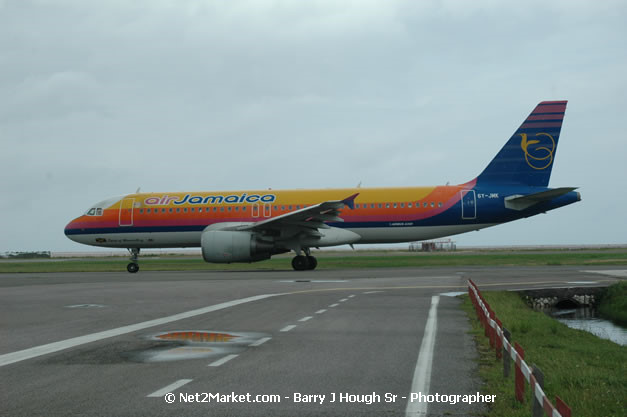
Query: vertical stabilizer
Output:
(527,158)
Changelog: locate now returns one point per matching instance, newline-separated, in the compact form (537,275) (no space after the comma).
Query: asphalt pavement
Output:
(349,342)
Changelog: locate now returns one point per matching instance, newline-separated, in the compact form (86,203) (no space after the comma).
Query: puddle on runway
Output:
(85,306)
(195,344)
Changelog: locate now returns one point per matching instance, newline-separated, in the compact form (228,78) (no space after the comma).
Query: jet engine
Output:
(226,246)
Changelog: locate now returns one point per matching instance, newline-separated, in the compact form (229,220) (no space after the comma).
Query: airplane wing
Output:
(521,202)
(305,221)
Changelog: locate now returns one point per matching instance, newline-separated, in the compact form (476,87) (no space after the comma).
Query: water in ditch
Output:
(586,318)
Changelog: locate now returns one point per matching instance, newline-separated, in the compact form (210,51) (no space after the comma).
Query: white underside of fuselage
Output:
(192,239)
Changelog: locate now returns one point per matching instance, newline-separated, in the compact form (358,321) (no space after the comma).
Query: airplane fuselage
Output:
(380,215)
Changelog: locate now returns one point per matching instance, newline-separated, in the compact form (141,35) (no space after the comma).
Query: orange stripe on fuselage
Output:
(283,201)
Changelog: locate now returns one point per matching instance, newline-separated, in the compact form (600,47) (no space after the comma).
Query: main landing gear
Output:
(133,266)
(304,262)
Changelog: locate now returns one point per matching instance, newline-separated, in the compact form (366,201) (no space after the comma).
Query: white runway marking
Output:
(343,299)
(288,328)
(334,305)
(453,293)
(33,352)
(260,341)
(422,373)
(351,296)
(170,388)
(321,311)
(223,360)
(372,292)
(306,318)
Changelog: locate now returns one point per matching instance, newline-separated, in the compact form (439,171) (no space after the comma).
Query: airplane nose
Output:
(69,228)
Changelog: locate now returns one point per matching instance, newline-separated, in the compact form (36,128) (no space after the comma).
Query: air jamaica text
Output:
(210,199)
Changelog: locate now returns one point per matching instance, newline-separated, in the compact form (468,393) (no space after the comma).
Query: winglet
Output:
(350,201)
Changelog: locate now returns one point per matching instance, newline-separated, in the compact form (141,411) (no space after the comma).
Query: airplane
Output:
(250,226)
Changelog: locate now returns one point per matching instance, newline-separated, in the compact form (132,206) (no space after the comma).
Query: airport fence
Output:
(500,341)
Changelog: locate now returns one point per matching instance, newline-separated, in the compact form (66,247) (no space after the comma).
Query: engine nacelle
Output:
(225,246)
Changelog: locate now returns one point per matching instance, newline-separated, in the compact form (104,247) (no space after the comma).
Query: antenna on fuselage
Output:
(138,188)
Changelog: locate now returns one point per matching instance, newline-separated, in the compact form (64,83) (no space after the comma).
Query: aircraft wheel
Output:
(132,267)
(313,262)
(300,263)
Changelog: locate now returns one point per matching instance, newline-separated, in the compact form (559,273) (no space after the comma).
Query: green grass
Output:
(327,262)
(613,305)
(588,373)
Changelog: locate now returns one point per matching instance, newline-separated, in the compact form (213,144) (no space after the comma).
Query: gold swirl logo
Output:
(541,156)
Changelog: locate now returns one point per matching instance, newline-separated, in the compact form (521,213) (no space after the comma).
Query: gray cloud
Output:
(98,98)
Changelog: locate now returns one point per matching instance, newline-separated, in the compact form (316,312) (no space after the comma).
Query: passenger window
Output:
(372,205)
(402,205)
(439,204)
(425,204)
(394,205)
(380,205)
(170,210)
(229,208)
(237,208)
(141,211)
(215,209)
(244,208)
(298,207)
(200,209)
(290,208)
(193,209)
(221,208)
(432,204)
(185,210)
(178,210)
(148,211)
(409,205)
(163,210)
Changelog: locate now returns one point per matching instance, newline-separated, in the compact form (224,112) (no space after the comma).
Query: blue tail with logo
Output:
(527,158)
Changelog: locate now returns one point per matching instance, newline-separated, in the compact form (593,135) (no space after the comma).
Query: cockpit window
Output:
(98,208)
(94,211)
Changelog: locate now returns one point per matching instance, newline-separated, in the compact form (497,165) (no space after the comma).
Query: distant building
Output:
(433,246)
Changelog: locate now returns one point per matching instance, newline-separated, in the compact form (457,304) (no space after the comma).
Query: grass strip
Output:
(613,305)
(324,262)
(588,373)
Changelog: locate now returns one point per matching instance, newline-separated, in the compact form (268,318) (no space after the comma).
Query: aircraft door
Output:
(255,210)
(267,210)
(469,204)
(126,212)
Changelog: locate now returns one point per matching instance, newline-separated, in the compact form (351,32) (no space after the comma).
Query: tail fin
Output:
(527,158)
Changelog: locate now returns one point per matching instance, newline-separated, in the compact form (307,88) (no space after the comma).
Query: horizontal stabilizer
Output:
(521,202)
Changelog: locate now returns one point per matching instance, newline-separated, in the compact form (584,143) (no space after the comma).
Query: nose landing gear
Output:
(133,266)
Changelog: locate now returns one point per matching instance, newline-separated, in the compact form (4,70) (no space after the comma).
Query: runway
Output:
(350,342)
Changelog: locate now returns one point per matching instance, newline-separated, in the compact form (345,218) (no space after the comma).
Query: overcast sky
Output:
(98,98)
